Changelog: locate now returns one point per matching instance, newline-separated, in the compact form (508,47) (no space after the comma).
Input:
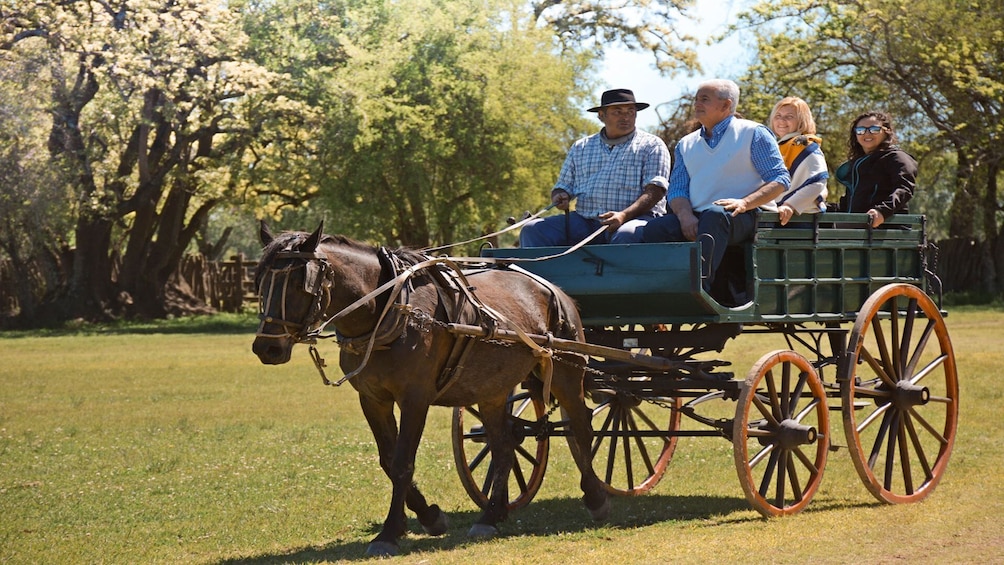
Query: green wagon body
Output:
(821,272)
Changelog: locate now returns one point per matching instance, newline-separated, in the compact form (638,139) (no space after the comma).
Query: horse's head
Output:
(293,282)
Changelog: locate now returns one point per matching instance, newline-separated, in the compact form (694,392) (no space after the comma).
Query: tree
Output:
(153,109)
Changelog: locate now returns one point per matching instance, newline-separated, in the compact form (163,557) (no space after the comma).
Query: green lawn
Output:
(174,445)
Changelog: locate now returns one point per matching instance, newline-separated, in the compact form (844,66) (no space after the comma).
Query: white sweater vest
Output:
(723,172)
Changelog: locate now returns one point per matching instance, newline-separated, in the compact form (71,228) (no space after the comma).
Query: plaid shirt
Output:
(609,179)
(764,152)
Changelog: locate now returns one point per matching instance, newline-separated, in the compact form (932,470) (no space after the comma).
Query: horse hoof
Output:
(438,526)
(482,531)
(600,513)
(381,549)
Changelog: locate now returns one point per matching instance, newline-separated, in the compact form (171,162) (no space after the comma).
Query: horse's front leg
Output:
(397,458)
(494,416)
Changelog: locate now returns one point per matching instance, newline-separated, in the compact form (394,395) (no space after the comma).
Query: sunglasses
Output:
(861,130)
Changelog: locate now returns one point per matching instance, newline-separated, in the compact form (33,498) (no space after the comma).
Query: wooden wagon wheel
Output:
(780,434)
(633,443)
(900,394)
(474,460)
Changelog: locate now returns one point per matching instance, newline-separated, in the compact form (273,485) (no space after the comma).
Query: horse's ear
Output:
(265,234)
(311,244)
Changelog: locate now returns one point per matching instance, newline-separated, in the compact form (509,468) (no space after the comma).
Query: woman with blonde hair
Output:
(792,123)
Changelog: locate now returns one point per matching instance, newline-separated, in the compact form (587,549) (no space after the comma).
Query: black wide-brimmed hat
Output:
(617,97)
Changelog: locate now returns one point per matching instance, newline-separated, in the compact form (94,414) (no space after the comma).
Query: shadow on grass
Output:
(542,518)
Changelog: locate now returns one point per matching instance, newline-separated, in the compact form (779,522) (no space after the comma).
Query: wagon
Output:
(857,310)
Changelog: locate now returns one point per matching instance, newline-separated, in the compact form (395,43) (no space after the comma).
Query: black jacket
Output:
(883,180)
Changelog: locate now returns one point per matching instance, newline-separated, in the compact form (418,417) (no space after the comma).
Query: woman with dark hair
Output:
(878,175)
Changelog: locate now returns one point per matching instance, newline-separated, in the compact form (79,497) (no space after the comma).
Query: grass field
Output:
(173,444)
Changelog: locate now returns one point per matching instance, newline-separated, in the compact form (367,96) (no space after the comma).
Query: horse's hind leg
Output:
(566,386)
(501,444)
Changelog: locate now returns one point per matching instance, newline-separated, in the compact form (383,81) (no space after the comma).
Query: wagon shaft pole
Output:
(571,346)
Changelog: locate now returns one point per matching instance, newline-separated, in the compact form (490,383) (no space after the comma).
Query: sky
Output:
(636,71)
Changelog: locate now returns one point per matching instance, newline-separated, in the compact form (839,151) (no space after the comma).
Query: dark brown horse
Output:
(396,348)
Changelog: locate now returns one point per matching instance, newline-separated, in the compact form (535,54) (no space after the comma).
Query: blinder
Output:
(315,272)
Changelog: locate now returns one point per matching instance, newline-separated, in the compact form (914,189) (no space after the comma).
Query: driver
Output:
(619,177)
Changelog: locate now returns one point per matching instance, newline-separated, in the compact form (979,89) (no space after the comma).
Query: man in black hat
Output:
(618,177)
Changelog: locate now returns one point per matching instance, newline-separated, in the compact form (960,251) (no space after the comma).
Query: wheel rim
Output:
(631,447)
(900,394)
(781,434)
(474,460)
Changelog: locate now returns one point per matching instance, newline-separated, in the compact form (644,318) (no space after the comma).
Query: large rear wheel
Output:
(474,460)
(900,394)
(781,433)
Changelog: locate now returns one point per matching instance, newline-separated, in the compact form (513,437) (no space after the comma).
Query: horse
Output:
(396,348)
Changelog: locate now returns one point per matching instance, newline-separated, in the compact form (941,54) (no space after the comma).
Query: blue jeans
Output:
(568,229)
(721,226)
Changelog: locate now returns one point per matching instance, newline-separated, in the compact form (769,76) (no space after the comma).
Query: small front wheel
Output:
(781,434)
(474,460)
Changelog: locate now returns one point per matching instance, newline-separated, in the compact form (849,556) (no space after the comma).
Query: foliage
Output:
(154,107)
(651,25)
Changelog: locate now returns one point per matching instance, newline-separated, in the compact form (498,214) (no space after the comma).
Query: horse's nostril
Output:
(270,353)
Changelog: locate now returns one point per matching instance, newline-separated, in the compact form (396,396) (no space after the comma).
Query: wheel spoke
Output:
(612,452)
(626,444)
(774,416)
(880,437)
(936,363)
(527,456)
(767,413)
(785,388)
(640,442)
(877,367)
(477,459)
(880,411)
(927,426)
(598,440)
(890,452)
(767,450)
(894,359)
(486,485)
(768,474)
(805,460)
(517,474)
(917,447)
(796,395)
(921,347)
(796,486)
(904,458)
(781,478)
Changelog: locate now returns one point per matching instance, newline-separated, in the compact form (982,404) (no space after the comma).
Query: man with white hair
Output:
(722,173)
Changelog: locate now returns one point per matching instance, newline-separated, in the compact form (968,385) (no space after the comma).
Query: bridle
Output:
(316,282)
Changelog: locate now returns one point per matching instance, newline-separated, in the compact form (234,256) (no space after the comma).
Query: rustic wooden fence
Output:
(227,286)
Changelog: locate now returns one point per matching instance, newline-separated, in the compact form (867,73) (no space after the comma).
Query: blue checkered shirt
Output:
(609,179)
(765,155)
